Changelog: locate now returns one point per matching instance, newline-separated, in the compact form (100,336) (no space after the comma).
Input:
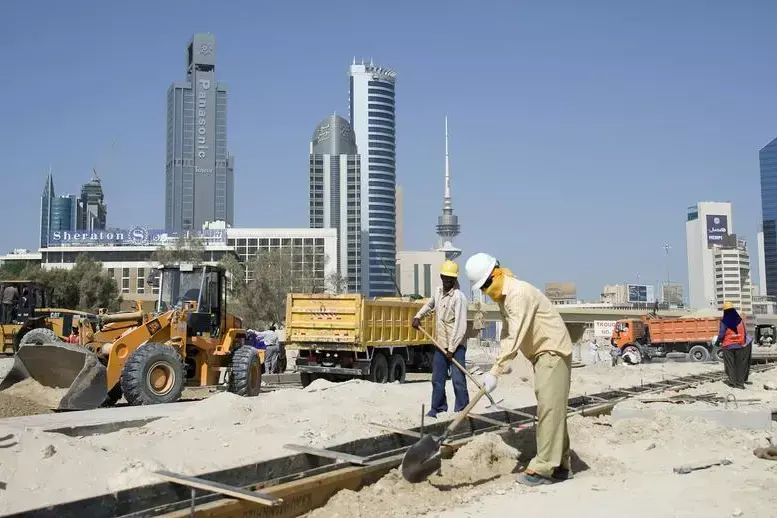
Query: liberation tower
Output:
(447,223)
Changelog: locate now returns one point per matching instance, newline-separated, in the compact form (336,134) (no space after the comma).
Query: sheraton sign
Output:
(137,236)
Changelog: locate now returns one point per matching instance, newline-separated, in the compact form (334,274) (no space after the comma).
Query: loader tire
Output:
(153,374)
(245,375)
(38,336)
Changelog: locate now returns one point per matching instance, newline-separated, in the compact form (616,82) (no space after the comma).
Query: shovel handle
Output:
(464,413)
(459,366)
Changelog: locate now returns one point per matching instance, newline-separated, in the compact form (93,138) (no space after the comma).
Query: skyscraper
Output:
(92,210)
(708,224)
(372,113)
(768,161)
(447,223)
(335,194)
(64,213)
(199,172)
(45,209)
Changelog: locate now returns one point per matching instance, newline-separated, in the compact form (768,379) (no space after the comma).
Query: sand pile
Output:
(485,458)
(12,406)
(28,397)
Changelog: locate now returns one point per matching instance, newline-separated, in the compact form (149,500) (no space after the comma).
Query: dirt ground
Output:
(226,431)
(622,468)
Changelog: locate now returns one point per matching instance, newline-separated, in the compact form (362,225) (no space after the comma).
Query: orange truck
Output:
(646,338)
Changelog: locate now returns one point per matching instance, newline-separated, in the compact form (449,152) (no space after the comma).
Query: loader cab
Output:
(31,295)
(203,290)
(764,335)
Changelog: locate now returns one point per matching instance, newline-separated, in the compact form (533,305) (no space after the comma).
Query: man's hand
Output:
(416,323)
(448,355)
(489,382)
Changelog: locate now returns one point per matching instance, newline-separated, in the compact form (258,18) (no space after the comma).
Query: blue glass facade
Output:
(768,162)
(373,118)
(64,213)
(45,210)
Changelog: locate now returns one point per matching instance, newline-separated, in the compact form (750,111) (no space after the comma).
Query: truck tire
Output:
(698,353)
(153,374)
(397,368)
(379,372)
(717,353)
(245,372)
(39,336)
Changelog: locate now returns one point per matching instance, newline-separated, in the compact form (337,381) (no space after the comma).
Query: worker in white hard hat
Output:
(450,307)
(531,324)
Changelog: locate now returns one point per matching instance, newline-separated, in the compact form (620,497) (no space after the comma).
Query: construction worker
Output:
(272,350)
(732,339)
(73,338)
(531,324)
(10,298)
(450,307)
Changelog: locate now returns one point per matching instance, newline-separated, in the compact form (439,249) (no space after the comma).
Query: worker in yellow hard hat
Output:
(732,338)
(450,307)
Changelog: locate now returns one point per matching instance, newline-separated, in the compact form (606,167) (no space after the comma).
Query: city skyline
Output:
(539,154)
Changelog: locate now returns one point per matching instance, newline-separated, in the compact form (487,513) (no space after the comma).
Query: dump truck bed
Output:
(352,322)
(688,330)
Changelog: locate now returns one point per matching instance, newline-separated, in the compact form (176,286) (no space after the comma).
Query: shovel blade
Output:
(421,459)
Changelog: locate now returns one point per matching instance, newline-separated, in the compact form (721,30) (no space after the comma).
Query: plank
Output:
(400,431)
(329,454)
(217,487)
(488,420)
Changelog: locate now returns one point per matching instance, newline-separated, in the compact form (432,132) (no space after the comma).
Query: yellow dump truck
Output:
(352,336)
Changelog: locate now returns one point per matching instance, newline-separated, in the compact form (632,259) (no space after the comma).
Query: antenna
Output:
(447,168)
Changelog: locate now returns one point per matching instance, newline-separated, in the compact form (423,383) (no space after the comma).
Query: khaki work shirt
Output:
(451,312)
(531,323)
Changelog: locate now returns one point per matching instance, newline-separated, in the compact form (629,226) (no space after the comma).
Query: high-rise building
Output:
(93,212)
(732,274)
(708,224)
(400,219)
(372,113)
(335,194)
(64,213)
(45,209)
(199,172)
(447,223)
(768,163)
(762,291)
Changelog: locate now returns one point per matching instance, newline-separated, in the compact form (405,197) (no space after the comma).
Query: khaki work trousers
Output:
(552,376)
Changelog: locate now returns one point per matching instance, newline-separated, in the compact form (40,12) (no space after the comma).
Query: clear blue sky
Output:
(579,133)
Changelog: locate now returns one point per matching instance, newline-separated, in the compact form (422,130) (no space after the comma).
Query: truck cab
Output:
(627,332)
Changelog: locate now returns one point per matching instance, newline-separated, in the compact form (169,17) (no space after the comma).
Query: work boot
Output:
(527,478)
(562,473)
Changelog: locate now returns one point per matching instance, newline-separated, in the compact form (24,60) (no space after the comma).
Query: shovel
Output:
(467,373)
(423,458)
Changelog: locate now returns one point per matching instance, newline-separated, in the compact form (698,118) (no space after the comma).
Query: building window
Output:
(125,280)
(415,280)
(427,280)
(141,280)
(111,273)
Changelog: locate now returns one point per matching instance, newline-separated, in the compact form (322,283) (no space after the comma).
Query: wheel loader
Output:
(33,321)
(191,339)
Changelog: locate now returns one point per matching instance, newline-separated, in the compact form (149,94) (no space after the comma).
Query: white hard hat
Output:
(479,267)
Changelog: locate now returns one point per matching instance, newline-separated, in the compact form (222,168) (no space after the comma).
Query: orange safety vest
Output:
(734,337)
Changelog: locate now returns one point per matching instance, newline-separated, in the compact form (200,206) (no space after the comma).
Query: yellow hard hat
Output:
(449,269)
(728,305)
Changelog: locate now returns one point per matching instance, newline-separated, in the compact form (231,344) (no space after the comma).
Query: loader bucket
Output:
(62,365)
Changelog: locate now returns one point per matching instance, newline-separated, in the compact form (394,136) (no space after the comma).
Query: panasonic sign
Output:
(202,117)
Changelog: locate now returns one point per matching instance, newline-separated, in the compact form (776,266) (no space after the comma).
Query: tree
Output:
(336,283)
(185,249)
(274,274)
(85,287)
